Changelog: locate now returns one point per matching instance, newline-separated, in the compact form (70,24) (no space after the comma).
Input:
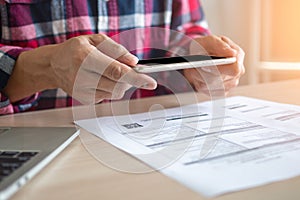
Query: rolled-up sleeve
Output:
(8,57)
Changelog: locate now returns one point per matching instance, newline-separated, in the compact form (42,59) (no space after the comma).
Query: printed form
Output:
(214,147)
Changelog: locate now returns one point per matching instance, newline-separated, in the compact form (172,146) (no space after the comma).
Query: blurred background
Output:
(267,30)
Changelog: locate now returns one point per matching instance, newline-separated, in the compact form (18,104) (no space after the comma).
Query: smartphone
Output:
(181,62)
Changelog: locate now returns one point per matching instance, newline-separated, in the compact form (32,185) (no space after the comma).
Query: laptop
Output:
(24,151)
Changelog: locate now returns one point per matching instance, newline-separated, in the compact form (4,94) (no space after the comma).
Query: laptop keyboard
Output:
(12,160)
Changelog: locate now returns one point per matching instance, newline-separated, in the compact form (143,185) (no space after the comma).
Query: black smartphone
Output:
(180,62)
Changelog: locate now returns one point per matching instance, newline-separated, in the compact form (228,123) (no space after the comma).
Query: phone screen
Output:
(170,60)
(176,63)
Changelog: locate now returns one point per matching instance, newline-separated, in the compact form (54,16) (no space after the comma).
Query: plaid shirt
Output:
(28,24)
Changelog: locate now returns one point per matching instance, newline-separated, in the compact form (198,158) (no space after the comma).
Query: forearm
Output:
(30,74)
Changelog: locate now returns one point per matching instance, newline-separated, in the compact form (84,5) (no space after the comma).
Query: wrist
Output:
(31,74)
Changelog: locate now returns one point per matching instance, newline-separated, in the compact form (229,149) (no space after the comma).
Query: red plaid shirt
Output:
(28,24)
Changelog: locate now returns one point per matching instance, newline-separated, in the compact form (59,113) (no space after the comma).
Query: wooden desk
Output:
(75,174)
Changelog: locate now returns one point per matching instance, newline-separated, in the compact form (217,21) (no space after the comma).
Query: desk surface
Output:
(75,174)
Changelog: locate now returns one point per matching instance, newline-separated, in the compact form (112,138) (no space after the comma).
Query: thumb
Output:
(213,46)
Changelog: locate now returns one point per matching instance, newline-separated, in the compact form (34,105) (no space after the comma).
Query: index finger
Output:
(114,50)
(102,64)
(120,72)
(240,53)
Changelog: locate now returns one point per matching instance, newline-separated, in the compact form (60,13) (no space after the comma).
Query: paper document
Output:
(212,147)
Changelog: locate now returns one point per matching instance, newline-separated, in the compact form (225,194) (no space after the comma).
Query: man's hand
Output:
(90,68)
(227,76)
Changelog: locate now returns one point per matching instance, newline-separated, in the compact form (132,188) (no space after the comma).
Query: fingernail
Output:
(207,69)
(148,86)
(227,46)
(234,51)
(145,86)
(131,58)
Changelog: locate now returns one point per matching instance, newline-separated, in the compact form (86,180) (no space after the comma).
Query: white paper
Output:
(212,147)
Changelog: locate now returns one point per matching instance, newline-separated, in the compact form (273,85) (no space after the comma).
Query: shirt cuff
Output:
(8,57)
(5,106)
(26,104)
